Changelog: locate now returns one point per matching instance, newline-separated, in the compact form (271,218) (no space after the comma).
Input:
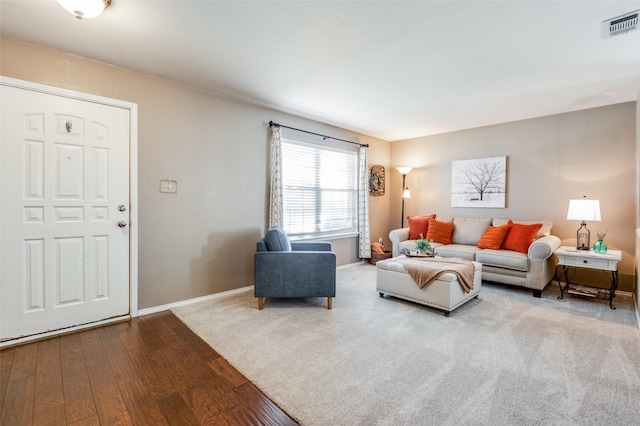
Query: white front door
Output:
(64,212)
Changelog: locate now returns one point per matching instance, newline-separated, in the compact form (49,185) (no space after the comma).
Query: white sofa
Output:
(533,270)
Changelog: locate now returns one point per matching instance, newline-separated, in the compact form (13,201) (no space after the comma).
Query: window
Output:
(319,189)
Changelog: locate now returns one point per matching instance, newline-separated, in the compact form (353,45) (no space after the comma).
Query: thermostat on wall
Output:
(169,186)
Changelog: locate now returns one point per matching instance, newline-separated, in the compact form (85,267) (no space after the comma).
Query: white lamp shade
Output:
(583,210)
(406,193)
(404,170)
(85,8)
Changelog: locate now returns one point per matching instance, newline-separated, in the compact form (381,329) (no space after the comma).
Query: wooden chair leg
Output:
(260,303)
(329,300)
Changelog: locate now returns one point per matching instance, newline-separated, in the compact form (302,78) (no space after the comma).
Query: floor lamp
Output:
(404,171)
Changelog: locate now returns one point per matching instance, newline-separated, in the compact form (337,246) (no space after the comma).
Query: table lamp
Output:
(583,210)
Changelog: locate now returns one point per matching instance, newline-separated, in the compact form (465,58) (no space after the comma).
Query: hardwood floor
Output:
(152,370)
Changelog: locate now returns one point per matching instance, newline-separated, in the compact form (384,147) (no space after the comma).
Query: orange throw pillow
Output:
(493,238)
(418,225)
(440,232)
(520,237)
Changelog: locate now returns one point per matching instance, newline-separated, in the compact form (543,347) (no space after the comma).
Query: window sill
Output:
(325,237)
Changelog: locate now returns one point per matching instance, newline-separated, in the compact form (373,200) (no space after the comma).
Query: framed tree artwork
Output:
(376,181)
(480,182)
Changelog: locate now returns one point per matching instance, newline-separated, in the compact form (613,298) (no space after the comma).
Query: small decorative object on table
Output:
(423,247)
(600,246)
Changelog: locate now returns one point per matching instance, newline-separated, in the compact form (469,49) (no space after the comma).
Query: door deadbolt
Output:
(122,224)
(122,208)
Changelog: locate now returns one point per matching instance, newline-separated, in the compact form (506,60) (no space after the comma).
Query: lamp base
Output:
(583,237)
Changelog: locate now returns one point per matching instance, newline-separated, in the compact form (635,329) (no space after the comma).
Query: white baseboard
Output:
(140,312)
(61,331)
(155,309)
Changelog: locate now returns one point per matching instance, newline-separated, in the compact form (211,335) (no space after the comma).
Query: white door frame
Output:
(133,190)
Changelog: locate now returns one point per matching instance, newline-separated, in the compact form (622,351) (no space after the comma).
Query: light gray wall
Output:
(201,240)
(549,161)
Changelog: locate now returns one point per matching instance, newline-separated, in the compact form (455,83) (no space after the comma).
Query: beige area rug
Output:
(505,358)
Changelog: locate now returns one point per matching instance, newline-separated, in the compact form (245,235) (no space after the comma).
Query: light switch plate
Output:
(168,186)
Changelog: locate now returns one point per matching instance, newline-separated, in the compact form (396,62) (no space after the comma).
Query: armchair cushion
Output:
(310,246)
(277,240)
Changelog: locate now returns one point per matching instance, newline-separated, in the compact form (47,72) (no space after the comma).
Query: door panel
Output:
(64,172)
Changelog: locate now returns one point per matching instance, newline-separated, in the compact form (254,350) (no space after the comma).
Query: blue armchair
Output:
(293,269)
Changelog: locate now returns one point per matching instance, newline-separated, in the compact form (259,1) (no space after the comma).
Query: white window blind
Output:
(320,189)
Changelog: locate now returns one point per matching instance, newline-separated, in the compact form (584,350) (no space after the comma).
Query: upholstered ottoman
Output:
(444,292)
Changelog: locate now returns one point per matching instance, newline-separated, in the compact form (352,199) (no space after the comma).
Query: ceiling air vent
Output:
(620,24)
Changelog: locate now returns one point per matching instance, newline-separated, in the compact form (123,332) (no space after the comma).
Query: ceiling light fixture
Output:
(85,8)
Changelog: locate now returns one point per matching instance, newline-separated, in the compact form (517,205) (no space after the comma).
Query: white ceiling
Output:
(390,69)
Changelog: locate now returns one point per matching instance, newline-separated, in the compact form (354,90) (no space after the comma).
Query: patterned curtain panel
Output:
(363,206)
(275,194)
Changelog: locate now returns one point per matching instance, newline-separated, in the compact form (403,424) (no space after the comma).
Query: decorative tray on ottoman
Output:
(417,254)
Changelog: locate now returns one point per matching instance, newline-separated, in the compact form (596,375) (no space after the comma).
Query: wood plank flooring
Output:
(152,370)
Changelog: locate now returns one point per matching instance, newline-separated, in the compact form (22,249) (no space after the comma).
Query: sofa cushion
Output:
(519,237)
(277,240)
(407,245)
(542,232)
(469,231)
(440,232)
(493,238)
(445,219)
(418,225)
(507,259)
(461,251)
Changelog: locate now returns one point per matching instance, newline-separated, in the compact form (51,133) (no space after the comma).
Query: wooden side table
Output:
(569,257)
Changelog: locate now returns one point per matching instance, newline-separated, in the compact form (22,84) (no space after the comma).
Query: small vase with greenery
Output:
(423,245)
(600,246)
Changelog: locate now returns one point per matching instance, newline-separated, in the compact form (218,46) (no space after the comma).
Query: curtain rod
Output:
(272,124)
